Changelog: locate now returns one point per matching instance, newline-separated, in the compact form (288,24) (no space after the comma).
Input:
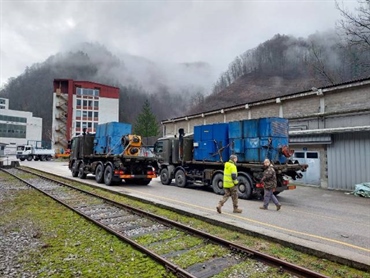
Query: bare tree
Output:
(356,26)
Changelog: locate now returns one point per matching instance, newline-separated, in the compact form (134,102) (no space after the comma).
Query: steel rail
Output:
(265,258)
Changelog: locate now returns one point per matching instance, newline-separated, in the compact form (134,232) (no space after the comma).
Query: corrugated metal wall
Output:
(349,160)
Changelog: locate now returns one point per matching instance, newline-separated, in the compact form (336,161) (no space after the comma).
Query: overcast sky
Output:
(171,31)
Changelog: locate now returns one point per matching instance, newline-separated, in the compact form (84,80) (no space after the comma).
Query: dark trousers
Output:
(269,195)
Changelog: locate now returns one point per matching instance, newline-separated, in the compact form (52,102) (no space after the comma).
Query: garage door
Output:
(349,160)
(312,159)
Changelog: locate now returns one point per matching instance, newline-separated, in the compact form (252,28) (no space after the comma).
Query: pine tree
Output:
(146,123)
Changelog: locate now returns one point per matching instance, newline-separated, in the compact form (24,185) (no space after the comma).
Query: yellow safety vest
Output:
(229,169)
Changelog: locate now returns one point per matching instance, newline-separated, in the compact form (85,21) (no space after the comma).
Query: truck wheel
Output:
(99,173)
(244,187)
(108,175)
(36,158)
(81,173)
(180,178)
(48,158)
(218,184)
(29,158)
(22,159)
(165,177)
(74,169)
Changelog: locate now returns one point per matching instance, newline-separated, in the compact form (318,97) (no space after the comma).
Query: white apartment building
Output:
(17,128)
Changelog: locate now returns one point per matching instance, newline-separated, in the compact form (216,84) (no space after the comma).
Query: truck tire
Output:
(29,158)
(244,187)
(180,178)
(99,173)
(43,158)
(165,177)
(81,173)
(22,159)
(218,184)
(108,175)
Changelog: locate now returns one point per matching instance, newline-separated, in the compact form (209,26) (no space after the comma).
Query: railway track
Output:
(184,251)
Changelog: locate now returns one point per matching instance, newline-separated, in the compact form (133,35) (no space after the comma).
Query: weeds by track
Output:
(183,250)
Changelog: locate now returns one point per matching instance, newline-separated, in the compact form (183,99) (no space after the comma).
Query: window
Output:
(78,113)
(12,131)
(299,154)
(312,155)
(96,114)
(158,147)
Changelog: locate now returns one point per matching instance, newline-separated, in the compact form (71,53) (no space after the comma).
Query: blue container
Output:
(270,148)
(277,127)
(250,128)
(108,137)
(210,151)
(252,155)
(197,133)
(220,132)
(237,148)
(235,129)
(252,143)
(211,140)
(206,132)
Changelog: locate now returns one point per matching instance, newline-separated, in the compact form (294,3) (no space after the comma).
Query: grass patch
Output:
(313,263)
(69,245)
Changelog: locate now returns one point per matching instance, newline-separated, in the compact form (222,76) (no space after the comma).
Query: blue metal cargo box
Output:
(220,132)
(250,128)
(235,129)
(274,126)
(108,137)
(210,151)
(270,148)
(237,148)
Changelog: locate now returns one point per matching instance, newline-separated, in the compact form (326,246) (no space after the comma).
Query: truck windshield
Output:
(20,148)
(158,147)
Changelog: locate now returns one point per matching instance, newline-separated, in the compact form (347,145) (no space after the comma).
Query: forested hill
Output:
(171,89)
(285,65)
(279,66)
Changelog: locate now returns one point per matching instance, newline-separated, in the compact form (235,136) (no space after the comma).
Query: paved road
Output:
(323,220)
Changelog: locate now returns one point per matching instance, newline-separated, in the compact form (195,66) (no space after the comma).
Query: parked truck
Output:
(198,158)
(35,150)
(112,154)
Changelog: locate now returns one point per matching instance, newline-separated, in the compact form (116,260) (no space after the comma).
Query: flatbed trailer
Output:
(109,168)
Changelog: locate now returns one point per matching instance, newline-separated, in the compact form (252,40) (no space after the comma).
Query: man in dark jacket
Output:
(269,181)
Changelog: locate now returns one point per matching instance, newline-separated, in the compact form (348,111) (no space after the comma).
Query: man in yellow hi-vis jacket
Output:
(229,183)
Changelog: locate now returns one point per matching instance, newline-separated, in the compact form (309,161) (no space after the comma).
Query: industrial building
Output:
(17,128)
(80,106)
(329,130)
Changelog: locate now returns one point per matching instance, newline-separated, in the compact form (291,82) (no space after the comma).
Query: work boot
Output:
(218,208)
(278,207)
(264,208)
(237,210)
